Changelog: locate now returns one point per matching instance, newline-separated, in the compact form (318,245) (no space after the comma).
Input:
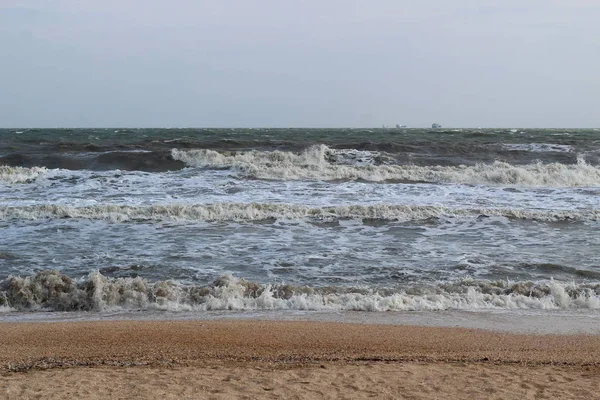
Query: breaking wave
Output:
(51,290)
(12,175)
(266,211)
(538,147)
(322,163)
(130,160)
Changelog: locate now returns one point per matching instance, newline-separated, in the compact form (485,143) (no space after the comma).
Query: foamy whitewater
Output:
(201,220)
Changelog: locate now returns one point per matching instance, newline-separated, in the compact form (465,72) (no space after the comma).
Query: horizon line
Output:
(296,127)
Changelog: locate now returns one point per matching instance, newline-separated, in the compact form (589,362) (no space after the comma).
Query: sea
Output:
(277,223)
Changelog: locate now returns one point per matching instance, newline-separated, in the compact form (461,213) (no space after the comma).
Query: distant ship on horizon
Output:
(435,125)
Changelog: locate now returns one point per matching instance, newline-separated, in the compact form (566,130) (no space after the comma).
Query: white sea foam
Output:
(50,290)
(319,163)
(266,211)
(539,147)
(12,175)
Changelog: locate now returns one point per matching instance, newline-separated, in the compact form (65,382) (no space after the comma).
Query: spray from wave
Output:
(237,212)
(322,163)
(51,290)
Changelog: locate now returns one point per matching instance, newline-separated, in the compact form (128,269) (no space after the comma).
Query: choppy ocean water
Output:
(288,220)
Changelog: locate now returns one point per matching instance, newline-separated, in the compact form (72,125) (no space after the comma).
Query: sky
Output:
(299,63)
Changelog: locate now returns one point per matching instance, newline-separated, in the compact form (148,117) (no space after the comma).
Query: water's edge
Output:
(518,322)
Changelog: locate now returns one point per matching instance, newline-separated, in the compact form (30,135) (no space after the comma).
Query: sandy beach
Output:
(271,359)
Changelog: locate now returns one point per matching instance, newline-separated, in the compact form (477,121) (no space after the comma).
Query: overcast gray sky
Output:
(306,63)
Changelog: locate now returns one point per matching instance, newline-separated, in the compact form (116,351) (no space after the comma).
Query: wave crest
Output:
(264,211)
(51,290)
(11,175)
(322,163)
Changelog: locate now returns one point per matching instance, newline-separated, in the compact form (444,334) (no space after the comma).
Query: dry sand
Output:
(255,359)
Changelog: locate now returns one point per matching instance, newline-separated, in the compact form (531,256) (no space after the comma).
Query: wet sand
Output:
(276,359)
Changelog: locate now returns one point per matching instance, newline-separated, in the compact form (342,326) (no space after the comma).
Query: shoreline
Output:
(33,345)
(564,322)
(289,359)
